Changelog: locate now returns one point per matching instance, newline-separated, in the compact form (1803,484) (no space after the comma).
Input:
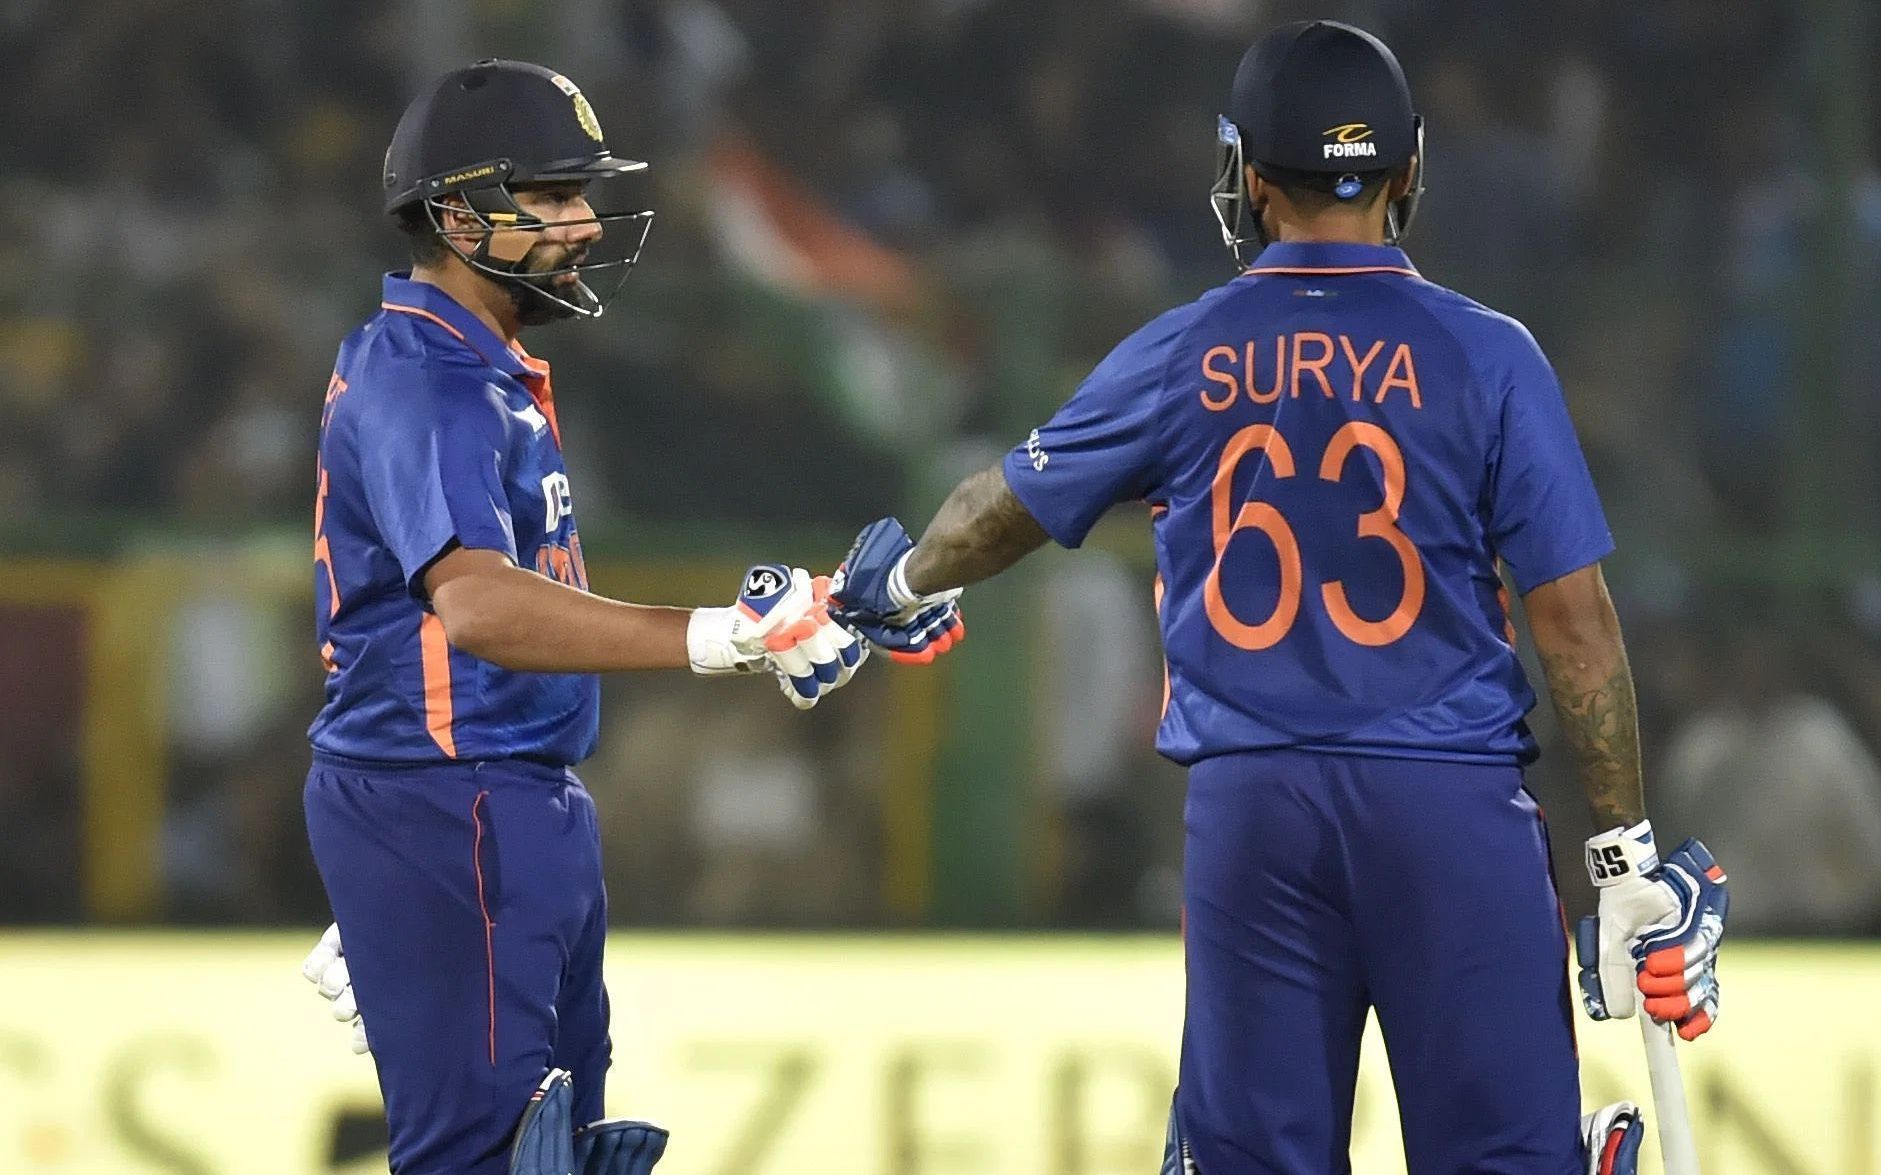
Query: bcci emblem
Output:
(584,113)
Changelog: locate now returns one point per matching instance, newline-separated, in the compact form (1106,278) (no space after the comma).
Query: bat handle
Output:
(1677,1150)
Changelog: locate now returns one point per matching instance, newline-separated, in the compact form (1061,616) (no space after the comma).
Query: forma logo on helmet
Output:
(1317,107)
(493,164)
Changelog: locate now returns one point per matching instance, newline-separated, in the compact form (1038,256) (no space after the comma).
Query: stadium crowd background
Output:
(891,237)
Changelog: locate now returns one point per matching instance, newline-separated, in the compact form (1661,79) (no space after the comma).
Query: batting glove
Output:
(870,594)
(325,967)
(1657,931)
(1611,1137)
(781,622)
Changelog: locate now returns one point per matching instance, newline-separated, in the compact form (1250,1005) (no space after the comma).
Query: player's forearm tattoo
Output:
(980,530)
(1599,717)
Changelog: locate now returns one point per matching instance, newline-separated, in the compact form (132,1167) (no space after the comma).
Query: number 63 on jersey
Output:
(1379,524)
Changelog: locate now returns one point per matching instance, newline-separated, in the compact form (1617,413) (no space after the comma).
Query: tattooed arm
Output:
(1578,635)
(982,529)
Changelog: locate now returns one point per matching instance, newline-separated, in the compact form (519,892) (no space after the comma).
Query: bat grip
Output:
(1677,1150)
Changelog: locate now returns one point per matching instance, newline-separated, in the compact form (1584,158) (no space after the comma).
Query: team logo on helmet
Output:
(584,113)
(1348,139)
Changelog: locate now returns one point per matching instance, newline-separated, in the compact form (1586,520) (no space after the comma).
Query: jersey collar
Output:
(402,295)
(1316,257)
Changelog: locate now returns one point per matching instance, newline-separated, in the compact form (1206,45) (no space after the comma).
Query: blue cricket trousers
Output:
(470,903)
(1318,886)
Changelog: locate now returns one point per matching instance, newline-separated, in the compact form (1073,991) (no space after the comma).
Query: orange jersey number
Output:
(1379,524)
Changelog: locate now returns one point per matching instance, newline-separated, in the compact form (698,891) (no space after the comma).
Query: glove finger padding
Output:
(1677,962)
(326,968)
(812,654)
(1693,1010)
(850,652)
(935,631)
(797,677)
(618,1146)
(335,980)
(920,639)
(315,965)
(544,1142)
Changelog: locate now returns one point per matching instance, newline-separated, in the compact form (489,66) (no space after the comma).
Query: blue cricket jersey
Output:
(1336,454)
(436,434)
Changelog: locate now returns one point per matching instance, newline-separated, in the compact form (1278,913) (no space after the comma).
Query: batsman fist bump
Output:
(1655,938)
(781,622)
(870,593)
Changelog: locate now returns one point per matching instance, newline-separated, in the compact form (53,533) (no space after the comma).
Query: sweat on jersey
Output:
(1336,454)
(436,435)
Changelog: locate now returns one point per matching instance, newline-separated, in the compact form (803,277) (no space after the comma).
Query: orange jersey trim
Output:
(1157,592)
(423,313)
(1335,271)
(541,390)
(435,651)
(537,382)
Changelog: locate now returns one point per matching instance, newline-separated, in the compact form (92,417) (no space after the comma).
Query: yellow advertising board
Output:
(128,1054)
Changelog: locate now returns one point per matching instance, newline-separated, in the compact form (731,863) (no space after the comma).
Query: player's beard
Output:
(529,290)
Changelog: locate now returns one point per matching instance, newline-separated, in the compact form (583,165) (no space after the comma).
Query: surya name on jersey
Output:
(560,561)
(1331,365)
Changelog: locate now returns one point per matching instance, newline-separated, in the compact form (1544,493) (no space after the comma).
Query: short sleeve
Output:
(1103,446)
(1544,514)
(432,469)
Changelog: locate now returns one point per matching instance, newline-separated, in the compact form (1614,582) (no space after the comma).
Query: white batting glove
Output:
(1657,931)
(731,640)
(325,967)
(814,655)
(781,623)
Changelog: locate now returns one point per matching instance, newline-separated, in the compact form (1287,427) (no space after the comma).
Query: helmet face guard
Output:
(1403,210)
(488,194)
(1241,224)
(1228,198)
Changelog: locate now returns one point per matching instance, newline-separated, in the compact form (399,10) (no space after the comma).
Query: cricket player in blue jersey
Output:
(459,851)
(1340,461)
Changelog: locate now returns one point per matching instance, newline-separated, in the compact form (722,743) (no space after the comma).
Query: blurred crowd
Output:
(892,236)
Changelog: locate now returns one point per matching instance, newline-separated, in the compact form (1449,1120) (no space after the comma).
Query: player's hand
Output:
(325,966)
(781,622)
(870,594)
(1656,934)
